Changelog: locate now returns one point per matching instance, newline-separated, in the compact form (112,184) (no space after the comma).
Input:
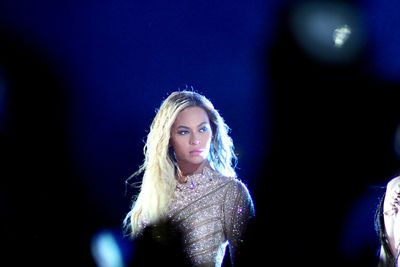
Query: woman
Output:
(189,180)
(388,225)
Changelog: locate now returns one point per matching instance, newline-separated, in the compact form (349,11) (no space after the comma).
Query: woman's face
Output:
(191,138)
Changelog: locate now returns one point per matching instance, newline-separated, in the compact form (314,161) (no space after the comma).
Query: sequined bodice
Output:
(211,211)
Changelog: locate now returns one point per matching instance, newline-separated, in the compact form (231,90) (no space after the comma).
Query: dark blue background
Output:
(80,82)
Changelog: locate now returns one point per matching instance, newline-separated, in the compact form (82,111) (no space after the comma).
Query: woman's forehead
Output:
(192,116)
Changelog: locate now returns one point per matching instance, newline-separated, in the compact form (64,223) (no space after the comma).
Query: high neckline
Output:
(195,179)
(183,179)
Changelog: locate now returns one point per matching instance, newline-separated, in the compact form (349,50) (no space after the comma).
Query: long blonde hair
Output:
(159,167)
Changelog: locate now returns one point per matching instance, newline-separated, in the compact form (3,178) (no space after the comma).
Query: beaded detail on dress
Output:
(391,215)
(211,211)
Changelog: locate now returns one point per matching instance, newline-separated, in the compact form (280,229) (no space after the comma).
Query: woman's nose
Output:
(195,141)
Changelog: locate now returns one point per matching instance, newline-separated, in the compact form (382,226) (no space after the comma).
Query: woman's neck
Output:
(184,171)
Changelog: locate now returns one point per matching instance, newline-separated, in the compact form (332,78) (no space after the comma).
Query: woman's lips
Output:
(196,152)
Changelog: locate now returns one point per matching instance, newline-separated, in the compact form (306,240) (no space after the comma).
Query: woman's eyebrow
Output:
(201,124)
(186,127)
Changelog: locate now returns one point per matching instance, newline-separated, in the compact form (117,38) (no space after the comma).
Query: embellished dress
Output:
(211,211)
(391,219)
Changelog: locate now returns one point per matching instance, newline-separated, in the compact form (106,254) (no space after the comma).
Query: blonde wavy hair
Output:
(159,167)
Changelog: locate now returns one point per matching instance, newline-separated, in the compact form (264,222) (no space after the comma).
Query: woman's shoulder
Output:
(233,181)
(235,186)
(393,183)
(240,185)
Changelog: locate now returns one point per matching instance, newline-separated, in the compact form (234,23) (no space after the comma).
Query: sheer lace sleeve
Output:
(238,210)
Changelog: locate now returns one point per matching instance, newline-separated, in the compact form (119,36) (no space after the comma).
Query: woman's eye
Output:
(183,132)
(204,129)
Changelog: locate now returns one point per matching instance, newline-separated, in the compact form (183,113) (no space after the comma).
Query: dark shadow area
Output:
(160,245)
(45,219)
(332,138)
